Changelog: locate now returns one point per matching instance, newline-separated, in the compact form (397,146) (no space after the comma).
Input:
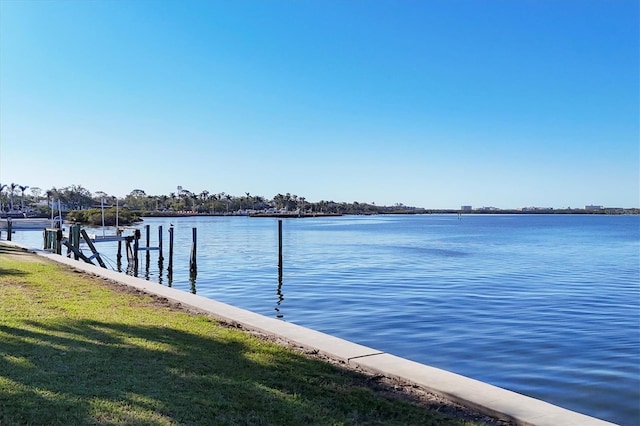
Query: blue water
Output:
(544,305)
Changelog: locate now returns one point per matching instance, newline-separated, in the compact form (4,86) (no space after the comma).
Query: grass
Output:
(75,349)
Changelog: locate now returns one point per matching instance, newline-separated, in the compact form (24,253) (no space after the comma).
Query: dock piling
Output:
(170,266)
(119,255)
(136,245)
(160,257)
(74,241)
(193,267)
(279,291)
(95,252)
(280,247)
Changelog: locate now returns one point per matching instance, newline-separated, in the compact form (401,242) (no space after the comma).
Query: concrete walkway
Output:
(487,399)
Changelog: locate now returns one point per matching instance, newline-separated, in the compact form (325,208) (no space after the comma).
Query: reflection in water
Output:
(279,292)
(169,277)
(132,268)
(170,266)
(192,281)
(146,266)
(160,266)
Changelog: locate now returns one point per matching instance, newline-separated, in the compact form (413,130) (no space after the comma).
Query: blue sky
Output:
(428,103)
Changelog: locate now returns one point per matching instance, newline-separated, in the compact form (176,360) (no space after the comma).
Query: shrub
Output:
(94,216)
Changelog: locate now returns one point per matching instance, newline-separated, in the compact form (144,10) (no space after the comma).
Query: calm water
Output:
(545,305)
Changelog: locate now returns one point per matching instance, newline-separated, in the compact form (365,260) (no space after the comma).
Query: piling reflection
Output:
(192,281)
(132,269)
(146,267)
(160,268)
(279,292)
(170,266)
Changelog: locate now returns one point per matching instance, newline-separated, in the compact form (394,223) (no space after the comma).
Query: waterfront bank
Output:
(487,399)
(76,349)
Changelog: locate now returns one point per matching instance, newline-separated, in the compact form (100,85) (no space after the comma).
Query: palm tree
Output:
(184,195)
(2,187)
(49,194)
(12,189)
(204,198)
(22,188)
(214,197)
(278,200)
(228,197)
(287,201)
(259,200)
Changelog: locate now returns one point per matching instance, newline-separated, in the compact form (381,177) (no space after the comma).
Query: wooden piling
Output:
(160,257)
(279,291)
(69,238)
(74,241)
(58,242)
(280,247)
(136,245)
(76,237)
(9,228)
(119,255)
(170,266)
(77,252)
(193,267)
(95,252)
(147,241)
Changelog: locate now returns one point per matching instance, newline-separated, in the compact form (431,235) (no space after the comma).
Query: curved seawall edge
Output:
(486,398)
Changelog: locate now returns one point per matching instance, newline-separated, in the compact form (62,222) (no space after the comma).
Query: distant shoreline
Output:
(293,215)
(617,212)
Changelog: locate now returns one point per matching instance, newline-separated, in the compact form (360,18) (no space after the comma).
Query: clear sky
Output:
(434,104)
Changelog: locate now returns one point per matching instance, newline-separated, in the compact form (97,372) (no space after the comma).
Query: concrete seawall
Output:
(487,399)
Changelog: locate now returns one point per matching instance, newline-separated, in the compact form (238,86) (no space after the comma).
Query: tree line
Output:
(15,198)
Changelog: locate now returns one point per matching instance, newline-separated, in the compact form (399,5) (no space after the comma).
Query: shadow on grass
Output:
(11,271)
(85,372)
(9,249)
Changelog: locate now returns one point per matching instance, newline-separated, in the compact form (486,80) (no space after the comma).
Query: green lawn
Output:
(75,349)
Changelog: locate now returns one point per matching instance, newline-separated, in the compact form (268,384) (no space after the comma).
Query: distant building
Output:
(466,208)
(592,208)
